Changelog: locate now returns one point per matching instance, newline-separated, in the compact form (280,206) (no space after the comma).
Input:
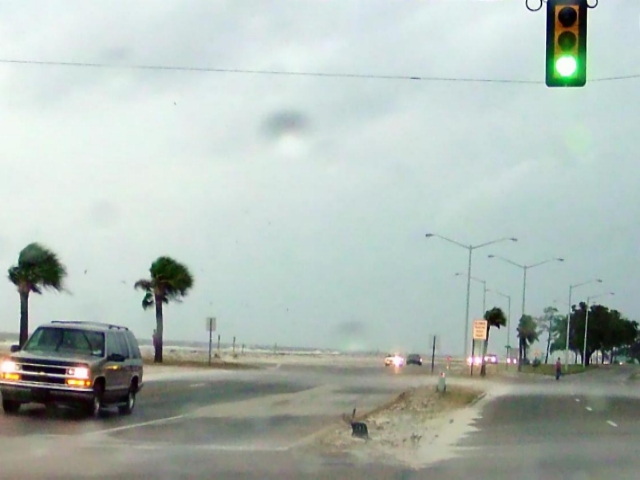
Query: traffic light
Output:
(566,43)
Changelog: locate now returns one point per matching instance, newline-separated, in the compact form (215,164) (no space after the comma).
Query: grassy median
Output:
(550,369)
(218,364)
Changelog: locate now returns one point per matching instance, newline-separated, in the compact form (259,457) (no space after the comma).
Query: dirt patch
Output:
(403,429)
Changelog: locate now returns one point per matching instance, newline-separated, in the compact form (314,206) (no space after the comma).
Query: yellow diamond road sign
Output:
(479,329)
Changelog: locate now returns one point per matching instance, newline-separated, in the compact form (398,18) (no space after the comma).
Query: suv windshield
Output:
(66,340)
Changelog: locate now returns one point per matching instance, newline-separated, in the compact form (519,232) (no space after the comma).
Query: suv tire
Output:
(131,402)
(94,407)
(10,407)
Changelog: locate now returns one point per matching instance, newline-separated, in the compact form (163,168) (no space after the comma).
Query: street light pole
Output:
(524,287)
(470,249)
(566,350)
(484,292)
(525,268)
(586,325)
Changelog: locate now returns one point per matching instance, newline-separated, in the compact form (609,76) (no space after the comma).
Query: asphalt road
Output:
(583,427)
(249,425)
(221,422)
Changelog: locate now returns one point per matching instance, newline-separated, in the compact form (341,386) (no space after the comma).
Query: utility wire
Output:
(298,74)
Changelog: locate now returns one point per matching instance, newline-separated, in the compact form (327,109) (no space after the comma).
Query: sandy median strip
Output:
(417,429)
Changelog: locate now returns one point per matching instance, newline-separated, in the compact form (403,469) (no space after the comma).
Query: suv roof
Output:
(85,325)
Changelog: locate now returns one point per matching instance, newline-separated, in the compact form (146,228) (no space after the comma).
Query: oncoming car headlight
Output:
(78,372)
(9,367)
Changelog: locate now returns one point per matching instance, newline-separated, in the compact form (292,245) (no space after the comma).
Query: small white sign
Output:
(211,324)
(480,329)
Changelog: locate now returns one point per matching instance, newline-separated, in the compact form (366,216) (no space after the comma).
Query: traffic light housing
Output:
(566,43)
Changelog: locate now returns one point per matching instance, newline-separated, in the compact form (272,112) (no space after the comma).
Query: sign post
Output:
(479,333)
(211,327)
(433,353)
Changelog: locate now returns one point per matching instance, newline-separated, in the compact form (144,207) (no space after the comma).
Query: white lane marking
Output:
(197,385)
(224,448)
(589,408)
(611,423)
(137,425)
(577,399)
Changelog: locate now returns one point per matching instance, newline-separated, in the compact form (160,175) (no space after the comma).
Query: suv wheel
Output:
(131,402)
(10,406)
(94,407)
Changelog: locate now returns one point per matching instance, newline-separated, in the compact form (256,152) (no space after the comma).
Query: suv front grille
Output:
(44,372)
(43,379)
(44,369)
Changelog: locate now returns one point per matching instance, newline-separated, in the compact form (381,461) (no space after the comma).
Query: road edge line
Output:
(477,399)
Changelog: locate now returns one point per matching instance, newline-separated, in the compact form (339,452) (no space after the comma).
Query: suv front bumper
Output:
(25,392)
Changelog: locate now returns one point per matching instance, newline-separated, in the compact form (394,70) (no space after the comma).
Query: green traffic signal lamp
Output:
(566,66)
(566,43)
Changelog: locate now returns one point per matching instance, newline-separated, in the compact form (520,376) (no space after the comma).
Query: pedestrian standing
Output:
(558,368)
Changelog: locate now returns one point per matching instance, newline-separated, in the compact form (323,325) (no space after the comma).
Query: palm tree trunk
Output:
(483,368)
(546,358)
(157,354)
(520,356)
(24,317)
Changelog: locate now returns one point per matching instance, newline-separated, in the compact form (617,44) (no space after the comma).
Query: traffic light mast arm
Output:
(541,3)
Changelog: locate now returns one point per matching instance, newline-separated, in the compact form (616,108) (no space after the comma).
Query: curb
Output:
(477,399)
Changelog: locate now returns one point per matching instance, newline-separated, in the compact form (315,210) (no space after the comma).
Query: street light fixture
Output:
(470,249)
(588,282)
(586,324)
(525,268)
(484,291)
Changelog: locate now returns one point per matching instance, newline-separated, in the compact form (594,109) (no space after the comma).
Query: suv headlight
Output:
(9,367)
(78,372)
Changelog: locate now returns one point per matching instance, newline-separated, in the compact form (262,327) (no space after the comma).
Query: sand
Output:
(420,428)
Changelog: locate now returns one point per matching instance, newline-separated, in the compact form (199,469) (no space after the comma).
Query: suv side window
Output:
(113,345)
(122,342)
(133,345)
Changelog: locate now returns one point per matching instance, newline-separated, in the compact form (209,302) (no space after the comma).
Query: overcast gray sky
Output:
(301,203)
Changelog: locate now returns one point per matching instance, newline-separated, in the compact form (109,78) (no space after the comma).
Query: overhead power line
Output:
(416,78)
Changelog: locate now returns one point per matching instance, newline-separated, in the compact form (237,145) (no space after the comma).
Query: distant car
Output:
(477,360)
(414,359)
(491,358)
(395,360)
(512,360)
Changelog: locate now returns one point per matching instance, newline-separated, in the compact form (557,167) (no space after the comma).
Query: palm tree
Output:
(170,281)
(38,269)
(548,325)
(495,318)
(527,335)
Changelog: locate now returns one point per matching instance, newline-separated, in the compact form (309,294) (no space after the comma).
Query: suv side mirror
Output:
(116,357)
(14,348)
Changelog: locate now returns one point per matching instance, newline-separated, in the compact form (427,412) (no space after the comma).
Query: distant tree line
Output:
(609,333)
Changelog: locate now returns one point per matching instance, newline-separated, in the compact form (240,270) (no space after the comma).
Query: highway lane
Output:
(158,400)
(166,398)
(583,427)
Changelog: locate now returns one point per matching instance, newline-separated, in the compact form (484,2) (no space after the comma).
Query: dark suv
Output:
(414,359)
(85,364)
